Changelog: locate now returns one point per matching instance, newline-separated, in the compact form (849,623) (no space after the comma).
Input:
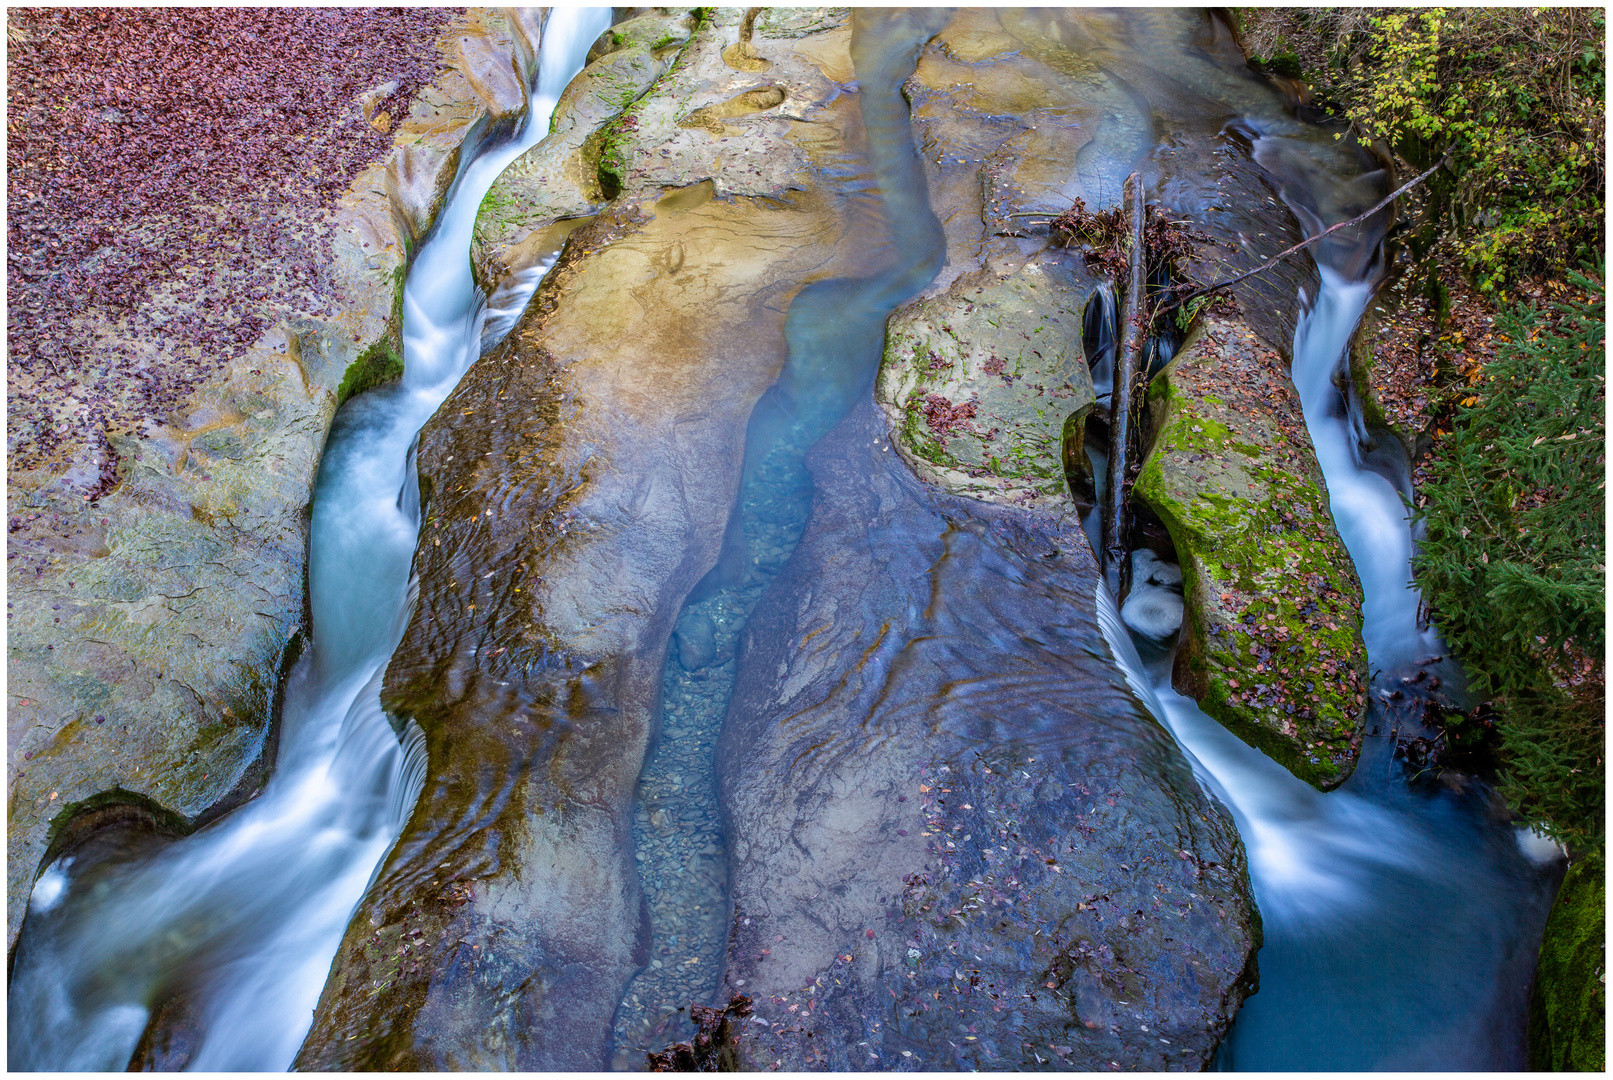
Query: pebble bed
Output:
(677,829)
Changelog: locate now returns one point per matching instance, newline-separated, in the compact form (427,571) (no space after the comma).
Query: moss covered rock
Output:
(982,381)
(1568,1008)
(1272,643)
(558,178)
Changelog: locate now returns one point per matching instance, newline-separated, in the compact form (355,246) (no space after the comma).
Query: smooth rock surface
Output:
(664,108)
(577,484)
(957,841)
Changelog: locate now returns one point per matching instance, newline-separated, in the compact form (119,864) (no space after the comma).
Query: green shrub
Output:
(1515,94)
(1513,564)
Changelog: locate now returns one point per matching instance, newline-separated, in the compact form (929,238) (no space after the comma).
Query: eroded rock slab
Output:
(578,483)
(148,632)
(667,101)
(1271,645)
(957,839)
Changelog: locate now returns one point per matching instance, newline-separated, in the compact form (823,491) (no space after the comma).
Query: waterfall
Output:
(233,928)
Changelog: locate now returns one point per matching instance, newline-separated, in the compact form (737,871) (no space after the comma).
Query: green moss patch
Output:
(380,363)
(1568,1008)
(1272,642)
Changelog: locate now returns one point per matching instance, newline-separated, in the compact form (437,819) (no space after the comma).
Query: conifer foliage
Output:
(1514,560)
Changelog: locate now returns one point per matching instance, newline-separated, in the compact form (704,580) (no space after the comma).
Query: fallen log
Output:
(1115,523)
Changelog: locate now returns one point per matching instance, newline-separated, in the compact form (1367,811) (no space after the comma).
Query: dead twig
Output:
(1206,290)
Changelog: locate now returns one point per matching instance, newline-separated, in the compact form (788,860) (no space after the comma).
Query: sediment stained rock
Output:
(1271,644)
(577,484)
(148,626)
(957,840)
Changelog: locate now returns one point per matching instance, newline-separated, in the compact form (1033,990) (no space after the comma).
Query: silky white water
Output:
(240,921)
(1372,519)
(1400,920)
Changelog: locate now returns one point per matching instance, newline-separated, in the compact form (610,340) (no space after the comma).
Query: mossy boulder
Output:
(1271,646)
(982,381)
(1568,1007)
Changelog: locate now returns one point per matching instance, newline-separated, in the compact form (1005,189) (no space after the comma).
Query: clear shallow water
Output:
(835,331)
(234,928)
(1402,918)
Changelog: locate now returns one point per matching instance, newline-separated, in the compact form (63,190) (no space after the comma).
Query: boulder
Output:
(1271,646)
(556,179)
(988,383)
(148,632)
(1568,1005)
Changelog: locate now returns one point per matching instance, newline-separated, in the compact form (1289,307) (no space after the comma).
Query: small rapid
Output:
(1401,915)
(220,943)
(1371,517)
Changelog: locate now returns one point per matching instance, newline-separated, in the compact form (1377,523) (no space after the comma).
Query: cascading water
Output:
(1401,920)
(229,933)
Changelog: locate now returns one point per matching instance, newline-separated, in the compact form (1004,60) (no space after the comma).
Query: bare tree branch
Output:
(1303,244)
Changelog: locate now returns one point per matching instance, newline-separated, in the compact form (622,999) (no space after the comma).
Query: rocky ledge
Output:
(150,619)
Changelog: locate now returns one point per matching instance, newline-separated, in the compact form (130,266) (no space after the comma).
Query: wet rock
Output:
(957,841)
(492,53)
(713,1047)
(578,483)
(986,854)
(663,109)
(986,382)
(696,642)
(1272,642)
(1568,1005)
(520,219)
(148,630)
(172,1036)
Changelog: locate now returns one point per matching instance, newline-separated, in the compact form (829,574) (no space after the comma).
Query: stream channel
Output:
(223,939)
(1400,916)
